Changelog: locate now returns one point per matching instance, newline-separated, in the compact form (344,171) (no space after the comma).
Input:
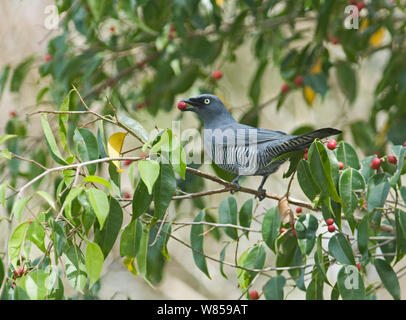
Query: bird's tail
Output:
(306,139)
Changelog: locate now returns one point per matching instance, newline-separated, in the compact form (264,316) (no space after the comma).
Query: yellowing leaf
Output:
(129,263)
(376,38)
(316,68)
(114,146)
(364,24)
(309,95)
(219,2)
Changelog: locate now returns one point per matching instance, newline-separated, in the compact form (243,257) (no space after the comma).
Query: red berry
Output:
(13,285)
(404,144)
(360,5)
(12,114)
(293,233)
(298,209)
(285,88)
(217,74)
(113,29)
(335,40)
(171,35)
(254,294)
(340,164)
(353,2)
(330,221)
(332,144)
(393,160)
(375,164)
(127,195)
(298,81)
(144,155)
(127,162)
(331,228)
(306,150)
(48,58)
(283,230)
(359,266)
(182,105)
(139,106)
(172,28)
(305,156)
(365,206)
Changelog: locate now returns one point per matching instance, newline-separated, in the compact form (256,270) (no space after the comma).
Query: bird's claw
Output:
(237,188)
(262,196)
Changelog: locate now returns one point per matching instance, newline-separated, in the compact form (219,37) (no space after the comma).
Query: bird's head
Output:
(209,107)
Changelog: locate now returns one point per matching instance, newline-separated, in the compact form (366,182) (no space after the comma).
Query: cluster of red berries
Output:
(298,81)
(330,225)
(19,272)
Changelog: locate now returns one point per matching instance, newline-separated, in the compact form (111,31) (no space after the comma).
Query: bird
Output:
(241,149)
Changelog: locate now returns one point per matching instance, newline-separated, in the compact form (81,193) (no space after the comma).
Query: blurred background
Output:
(282,65)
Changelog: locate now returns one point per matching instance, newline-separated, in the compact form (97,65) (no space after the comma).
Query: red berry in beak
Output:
(182,105)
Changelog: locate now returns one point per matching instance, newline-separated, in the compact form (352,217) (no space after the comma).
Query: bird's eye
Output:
(206,101)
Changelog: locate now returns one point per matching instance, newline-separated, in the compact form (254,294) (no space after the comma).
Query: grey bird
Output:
(242,149)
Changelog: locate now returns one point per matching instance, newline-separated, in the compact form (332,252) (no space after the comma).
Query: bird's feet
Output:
(262,196)
(237,186)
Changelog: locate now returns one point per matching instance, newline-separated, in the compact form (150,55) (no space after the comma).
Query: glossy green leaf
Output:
(363,235)
(350,283)
(314,290)
(388,278)
(100,204)
(19,206)
(143,253)
(97,180)
(47,197)
(273,289)
(15,243)
(306,182)
(270,227)
(3,78)
(134,126)
(94,260)
(245,214)
(72,195)
(306,226)
(149,172)
(222,257)
(63,121)
(106,237)
(399,151)
(253,259)
(347,155)
(228,215)
(20,73)
(51,142)
(377,192)
(141,200)
(130,239)
(164,190)
(340,249)
(36,234)
(196,241)
(320,168)
(35,284)
(75,268)
(87,146)
(347,80)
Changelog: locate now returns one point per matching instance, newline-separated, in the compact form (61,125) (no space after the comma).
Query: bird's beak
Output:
(193,102)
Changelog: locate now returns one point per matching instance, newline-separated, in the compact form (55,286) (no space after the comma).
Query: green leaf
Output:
(196,241)
(20,72)
(100,204)
(96,8)
(63,120)
(143,253)
(134,126)
(347,155)
(306,182)
(3,78)
(377,192)
(94,262)
(15,242)
(36,284)
(58,237)
(271,227)
(347,80)
(149,172)
(50,141)
(106,237)
(87,146)
(131,239)
(75,268)
(141,200)
(222,257)
(363,235)
(47,197)
(98,180)
(340,249)
(350,284)
(164,190)
(399,151)
(252,259)
(36,234)
(321,171)
(255,87)
(228,215)
(273,289)
(2,271)
(388,278)
(72,195)
(350,182)
(314,290)
(306,226)
(3,188)
(319,260)
(19,206)
(245,214)
(366,170)
(6,137)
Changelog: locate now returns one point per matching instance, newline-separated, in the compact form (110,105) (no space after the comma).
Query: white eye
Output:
(206,101)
